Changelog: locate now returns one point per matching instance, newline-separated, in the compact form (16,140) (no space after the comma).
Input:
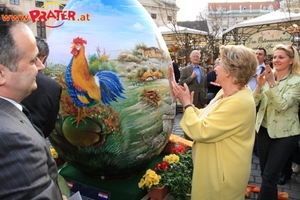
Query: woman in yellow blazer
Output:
(223,132)
(277,123)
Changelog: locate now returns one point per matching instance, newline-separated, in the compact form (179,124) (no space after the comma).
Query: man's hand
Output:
(215,84)
(194,74)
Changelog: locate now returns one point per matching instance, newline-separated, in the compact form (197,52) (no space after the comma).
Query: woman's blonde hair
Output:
(240,62)
(292,53)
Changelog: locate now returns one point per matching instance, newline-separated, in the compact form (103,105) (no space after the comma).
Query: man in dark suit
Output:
(175,69)
(212,90)
(43,103)
(195,77)
(27,169)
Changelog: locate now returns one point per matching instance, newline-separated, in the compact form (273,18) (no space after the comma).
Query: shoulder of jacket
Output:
(295,78)
(189,67)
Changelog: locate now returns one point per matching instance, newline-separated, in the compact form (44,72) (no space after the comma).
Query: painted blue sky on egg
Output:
(114,26)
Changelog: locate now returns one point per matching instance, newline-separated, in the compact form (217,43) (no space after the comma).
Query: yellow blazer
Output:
(280,105)
(223,144)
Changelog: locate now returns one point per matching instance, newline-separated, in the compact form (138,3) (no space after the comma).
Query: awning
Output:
(171,29)
(267,19)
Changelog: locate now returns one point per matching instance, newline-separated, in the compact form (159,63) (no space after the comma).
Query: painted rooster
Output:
(87,89)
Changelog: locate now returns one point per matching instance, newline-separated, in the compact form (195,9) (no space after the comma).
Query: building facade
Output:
(162,12)
(228,14)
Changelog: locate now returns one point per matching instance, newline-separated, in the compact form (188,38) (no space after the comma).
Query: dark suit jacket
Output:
(27,169)
(199,89)
(212,90)
(43,103)
(211,77)
(176,71)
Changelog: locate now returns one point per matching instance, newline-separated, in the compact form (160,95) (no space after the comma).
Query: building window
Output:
(41,29)
(153,16)
(170,18)
(61,6)
(244,18)
(16,2)
(39,4)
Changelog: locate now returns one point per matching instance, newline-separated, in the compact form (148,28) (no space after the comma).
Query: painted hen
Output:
(87,89)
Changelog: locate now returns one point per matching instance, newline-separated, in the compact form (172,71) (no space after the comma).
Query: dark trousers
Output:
(296,156)
(287,168)
(255,146)
(273,155)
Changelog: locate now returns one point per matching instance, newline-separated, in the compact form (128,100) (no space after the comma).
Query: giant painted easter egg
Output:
(116,110)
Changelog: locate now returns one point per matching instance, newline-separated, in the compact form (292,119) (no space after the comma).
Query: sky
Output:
(114,27)
(189,9)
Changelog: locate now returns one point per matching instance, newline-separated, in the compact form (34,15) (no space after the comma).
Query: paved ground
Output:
(292,187)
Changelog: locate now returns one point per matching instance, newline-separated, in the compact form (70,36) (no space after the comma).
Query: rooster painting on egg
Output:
(116,109)
(85,88)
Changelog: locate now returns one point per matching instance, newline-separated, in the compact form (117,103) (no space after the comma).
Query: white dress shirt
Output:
(252,82)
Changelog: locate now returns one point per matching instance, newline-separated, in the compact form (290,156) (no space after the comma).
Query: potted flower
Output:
(179,176)
(175,171)
(153,183)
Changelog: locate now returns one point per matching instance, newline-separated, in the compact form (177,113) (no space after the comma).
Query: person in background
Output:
(277,123)
(27,168)
(261,56)
(223,132)
(212,90)
(43,103)
(296,156)
(293,163)
(195,77)
(175,69)
(296,159)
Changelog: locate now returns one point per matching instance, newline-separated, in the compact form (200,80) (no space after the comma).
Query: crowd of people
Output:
(242,100)
(223,132)
(252,107)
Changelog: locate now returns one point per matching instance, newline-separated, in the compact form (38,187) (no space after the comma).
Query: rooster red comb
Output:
(79,40)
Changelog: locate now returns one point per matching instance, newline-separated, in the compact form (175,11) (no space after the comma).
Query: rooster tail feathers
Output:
(110,86)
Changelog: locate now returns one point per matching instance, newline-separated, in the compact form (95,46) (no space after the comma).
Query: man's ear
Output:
(43,59)
(2,74)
